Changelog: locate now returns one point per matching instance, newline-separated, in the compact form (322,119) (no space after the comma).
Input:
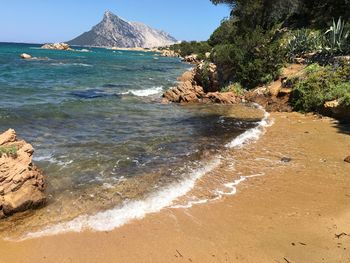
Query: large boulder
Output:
(57,46)
(335,109)
(184,92)
(22,184)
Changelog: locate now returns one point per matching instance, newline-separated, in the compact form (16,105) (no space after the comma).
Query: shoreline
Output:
(291,214)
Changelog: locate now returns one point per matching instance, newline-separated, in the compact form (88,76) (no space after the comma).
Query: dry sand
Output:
(292,214)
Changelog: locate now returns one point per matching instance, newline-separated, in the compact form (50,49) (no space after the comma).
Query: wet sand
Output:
(291,214)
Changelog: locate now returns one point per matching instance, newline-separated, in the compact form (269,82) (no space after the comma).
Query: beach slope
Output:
(297,212)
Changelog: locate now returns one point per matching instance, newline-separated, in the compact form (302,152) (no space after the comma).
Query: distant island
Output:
(114,31)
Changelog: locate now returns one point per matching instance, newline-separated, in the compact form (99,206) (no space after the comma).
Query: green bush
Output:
(188,48)
(236,88)
(8,150)
(321,84)
(224,34)
(252,59)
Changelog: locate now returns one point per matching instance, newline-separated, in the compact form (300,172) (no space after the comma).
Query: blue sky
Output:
(39,21)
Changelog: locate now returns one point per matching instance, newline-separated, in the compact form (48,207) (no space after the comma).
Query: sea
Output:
(111,151)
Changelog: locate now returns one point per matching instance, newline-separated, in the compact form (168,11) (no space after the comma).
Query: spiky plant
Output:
(337,37)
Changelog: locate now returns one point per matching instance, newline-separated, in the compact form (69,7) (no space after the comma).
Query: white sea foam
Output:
(129,210)
(252,134)
(133,210)
(71,64)
(144,92)
(232,187)
(49,158)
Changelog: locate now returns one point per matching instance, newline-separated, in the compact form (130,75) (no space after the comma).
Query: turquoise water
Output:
(100,133)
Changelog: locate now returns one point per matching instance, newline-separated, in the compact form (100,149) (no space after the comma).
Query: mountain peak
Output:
(108,14)
(113,31)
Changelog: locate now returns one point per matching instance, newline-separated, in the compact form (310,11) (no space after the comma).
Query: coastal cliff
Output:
(22,184)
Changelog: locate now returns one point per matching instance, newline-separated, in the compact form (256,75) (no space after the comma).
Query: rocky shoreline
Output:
(22,184)
(190,89)
(275,97)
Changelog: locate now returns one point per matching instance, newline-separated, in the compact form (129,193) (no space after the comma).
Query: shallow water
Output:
(102,136)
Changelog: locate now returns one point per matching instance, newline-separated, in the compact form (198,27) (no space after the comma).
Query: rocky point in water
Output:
(57,46)
(22,184)
(114,31)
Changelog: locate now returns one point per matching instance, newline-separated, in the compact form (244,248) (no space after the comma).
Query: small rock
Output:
(26,56)
(347,159)
(286,159)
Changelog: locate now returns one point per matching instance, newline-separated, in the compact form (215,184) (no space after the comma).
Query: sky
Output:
(42,21)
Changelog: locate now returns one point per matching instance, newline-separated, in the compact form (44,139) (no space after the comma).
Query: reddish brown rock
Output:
(347,159)
(187,91)
(22,184)
(222,97)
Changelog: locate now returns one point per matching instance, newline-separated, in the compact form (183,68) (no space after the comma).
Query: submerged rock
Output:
(57,46)
(26,56)
(22,184)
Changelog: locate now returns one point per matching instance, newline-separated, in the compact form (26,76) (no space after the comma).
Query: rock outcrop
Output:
(57,46)
(347,159)
(276,96)
(188,91)
(114,31)
(22,184)
(191,59)
(169,53)
(26,56)
(335,109)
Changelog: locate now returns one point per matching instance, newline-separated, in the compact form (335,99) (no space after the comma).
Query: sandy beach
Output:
(298,211)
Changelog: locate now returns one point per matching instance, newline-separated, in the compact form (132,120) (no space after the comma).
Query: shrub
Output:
(252,59)
(337,38)
(303,41)
(9,151)
(188,48)
(235,88)
(321,84)
(224,34)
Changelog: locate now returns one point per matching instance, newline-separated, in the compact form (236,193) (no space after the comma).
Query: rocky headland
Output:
(22,184)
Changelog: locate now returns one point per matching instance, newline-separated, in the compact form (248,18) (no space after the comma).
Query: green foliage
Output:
(236,88)
(9,151)
(252,59)
(303,41)
(337,38)
(321,84)
(204,76)
(224,34)
(295,13)
(188,48)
